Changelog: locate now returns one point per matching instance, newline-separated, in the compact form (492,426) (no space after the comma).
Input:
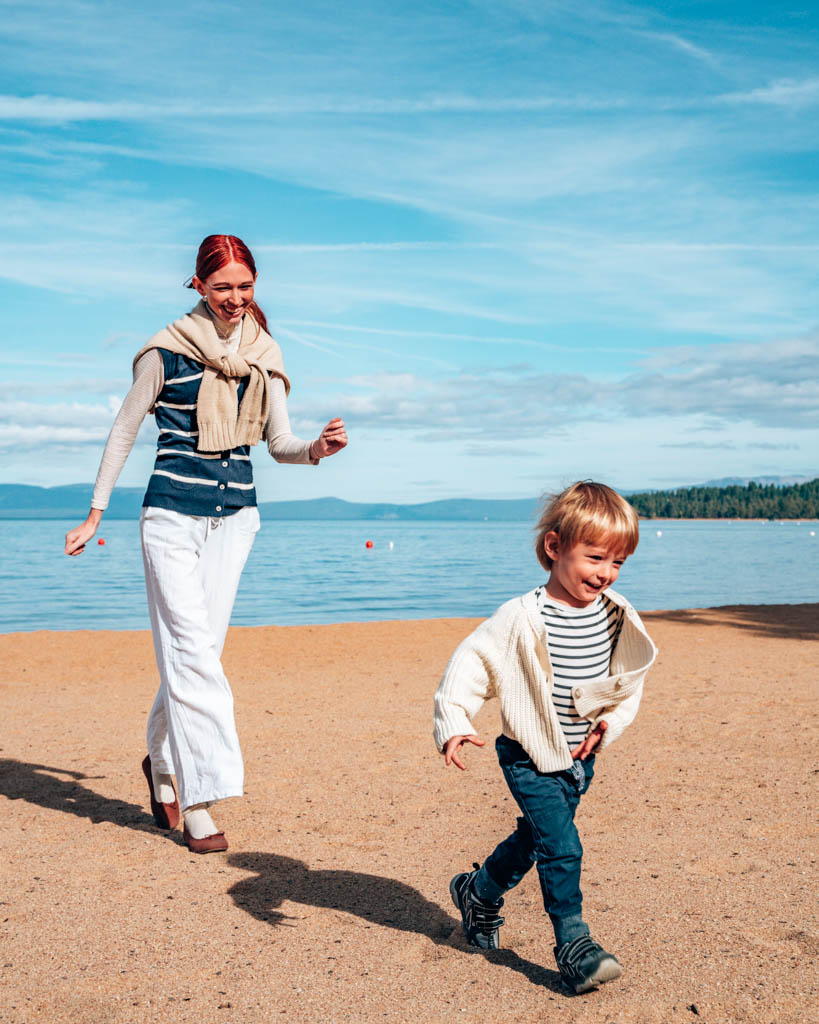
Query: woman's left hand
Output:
(331,440)
(590,743)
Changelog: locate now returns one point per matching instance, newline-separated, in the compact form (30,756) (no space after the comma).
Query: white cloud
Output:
(50,109)
(441,336)
(771,385)
(40,436)
(730,446)
(682,45)
(763,385)
(86,386)
(33,426)
(785,92)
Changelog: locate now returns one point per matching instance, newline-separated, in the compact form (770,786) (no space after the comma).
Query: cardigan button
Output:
(224,464)
(221,487)
(218,508)
(578,692)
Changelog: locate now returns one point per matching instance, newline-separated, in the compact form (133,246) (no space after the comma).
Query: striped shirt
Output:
(580,643)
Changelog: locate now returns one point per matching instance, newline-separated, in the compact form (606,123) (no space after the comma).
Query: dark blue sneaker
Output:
(584,964)
(480,919)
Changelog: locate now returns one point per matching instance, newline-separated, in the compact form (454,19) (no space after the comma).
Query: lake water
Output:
(314,572)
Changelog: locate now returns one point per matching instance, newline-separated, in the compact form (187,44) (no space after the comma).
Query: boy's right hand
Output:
(454,744)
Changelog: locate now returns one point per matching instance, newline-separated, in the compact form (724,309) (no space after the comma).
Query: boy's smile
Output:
(581,573)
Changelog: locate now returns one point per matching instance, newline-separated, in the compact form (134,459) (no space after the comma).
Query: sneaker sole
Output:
(608,970)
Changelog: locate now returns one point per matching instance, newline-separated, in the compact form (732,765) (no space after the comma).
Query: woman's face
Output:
(228,291)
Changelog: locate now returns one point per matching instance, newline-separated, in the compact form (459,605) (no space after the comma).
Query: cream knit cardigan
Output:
(507,657)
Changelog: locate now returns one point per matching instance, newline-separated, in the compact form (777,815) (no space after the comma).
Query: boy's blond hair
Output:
(587,513)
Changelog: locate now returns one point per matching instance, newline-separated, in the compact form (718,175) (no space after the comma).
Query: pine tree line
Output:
(752,501)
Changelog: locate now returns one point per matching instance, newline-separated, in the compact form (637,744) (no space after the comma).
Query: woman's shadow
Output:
(60,789)
(373,898)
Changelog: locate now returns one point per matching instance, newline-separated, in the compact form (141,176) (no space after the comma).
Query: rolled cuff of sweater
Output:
(450,720)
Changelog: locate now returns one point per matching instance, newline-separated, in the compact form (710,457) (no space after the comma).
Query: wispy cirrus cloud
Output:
(682,45)
(443,337)
(110,388)
(785,92)
(730,446)
(66,109)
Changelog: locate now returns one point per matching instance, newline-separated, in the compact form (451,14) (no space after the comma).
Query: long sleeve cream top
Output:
(507,657)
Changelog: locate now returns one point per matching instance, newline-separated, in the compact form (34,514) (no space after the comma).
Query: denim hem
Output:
(568,928)
(485,887)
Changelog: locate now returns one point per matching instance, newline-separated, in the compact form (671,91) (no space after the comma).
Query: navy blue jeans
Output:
(546,835)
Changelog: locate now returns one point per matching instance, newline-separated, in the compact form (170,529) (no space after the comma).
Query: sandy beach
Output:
(332,903)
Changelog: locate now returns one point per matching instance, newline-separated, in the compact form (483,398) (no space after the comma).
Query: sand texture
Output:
(332,903)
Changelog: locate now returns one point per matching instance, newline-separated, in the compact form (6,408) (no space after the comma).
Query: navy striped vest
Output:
(185,480)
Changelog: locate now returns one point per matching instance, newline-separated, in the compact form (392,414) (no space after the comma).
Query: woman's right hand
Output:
(76,539)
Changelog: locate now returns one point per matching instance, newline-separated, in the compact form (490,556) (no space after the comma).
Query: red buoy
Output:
(369,544)
(101,540)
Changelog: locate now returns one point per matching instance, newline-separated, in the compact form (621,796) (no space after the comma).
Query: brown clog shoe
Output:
(210,844)
(165,815)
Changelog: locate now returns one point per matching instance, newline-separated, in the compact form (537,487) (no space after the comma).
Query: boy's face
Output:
(582,572)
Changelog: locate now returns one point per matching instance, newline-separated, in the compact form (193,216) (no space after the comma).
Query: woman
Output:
(216,384)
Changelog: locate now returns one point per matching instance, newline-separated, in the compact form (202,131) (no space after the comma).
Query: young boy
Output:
(567,662)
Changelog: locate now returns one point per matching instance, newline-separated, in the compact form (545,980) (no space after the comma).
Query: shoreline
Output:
(809,607)
(726,519)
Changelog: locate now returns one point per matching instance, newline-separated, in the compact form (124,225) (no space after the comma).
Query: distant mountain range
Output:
(71,501)
(21,501)
(743,481)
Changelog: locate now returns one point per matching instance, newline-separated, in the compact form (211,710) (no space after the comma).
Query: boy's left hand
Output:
(590,742)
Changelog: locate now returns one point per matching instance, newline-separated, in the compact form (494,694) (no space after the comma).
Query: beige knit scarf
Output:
(223,422)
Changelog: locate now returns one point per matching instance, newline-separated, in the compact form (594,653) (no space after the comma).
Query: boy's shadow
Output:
(373,898)
(37,784)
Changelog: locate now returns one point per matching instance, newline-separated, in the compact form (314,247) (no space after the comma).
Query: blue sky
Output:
(512,243)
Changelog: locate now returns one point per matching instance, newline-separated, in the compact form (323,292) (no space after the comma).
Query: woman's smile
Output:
(228,291)
(230,312)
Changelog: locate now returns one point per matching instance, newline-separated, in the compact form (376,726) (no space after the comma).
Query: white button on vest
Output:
(218,508)
(224,463)
(221,487)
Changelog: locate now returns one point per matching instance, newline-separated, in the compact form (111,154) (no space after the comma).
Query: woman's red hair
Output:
(215,252)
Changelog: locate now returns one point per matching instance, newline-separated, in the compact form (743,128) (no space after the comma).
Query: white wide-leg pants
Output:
(192,570)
